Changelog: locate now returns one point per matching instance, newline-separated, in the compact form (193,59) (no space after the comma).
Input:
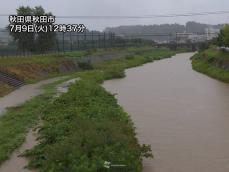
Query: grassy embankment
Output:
(213,62)
(34,68)
(82,128)
(5,89)
(37,67)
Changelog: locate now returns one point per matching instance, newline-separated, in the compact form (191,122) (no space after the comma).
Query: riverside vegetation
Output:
(30,69)
(83,127)
(213,62)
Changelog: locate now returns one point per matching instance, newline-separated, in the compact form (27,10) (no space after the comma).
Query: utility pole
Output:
(114,38)
(104,39)
(71,40)
(85,40)
(57,45)
(170,37)
(92,39)
(63,42)
(78,42)
(99,40)
(176,41)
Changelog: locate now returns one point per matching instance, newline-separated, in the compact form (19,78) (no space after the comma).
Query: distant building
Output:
(211,33)
(5,37)
(182,38)
(3,43)
(190,37)
(160,41)
(195,38)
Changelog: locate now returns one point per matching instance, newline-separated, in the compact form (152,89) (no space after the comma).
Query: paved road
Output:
(23,94)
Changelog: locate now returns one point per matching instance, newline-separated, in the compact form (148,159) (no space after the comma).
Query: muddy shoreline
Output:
(17,163)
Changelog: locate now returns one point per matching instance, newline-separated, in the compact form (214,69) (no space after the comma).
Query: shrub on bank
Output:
(212,71)
(212,62)
(86,127)
(87,115)
(91,129)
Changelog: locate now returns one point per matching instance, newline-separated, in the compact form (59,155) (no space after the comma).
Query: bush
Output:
(129,57)
(91,129)
(85,65)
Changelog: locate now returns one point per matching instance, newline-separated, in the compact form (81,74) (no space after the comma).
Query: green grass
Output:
(38,67)
(51,58)
(208,62)
(15,123)
(214,53)
(83,127)
(91,129)
(34,68)
(5,89)
(54,57)
(115,68)
(212,71)
(41,59)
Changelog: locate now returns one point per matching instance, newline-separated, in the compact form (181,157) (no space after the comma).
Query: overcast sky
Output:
(123,7)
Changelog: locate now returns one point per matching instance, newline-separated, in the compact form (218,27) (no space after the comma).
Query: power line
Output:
(138,17)
(146,16)
(193,14)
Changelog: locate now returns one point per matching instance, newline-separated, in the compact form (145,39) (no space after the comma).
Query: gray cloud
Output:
(123,7)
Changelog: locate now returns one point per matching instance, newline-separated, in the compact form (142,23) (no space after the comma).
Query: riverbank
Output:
(181,113)
(19,111)
(31,69)
(5,89)
(92,101)
(212,62)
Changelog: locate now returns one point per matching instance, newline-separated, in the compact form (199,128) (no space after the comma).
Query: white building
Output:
(197,37)
(190,37)
(211,33)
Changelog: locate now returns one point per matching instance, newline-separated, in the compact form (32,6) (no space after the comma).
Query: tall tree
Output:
(44,41)
(223,38)
(25,41)
(220,38)
(226,35)
(33,42)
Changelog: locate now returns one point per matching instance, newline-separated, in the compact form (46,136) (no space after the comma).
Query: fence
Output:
(69,41)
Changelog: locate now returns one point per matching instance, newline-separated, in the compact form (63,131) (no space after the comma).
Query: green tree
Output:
(33,42)
(44,41)
(220,38)
(226,35)
(25,41)
(223,38)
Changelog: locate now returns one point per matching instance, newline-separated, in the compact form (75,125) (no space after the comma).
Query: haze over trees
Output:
(33,42)
(190,27)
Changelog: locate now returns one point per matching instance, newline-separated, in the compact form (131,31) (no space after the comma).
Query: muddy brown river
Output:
(182,114)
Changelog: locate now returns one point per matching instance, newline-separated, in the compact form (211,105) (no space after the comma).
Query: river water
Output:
(182,114)
(16,163)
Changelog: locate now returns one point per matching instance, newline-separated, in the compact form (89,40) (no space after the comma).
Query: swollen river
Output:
(182,114)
